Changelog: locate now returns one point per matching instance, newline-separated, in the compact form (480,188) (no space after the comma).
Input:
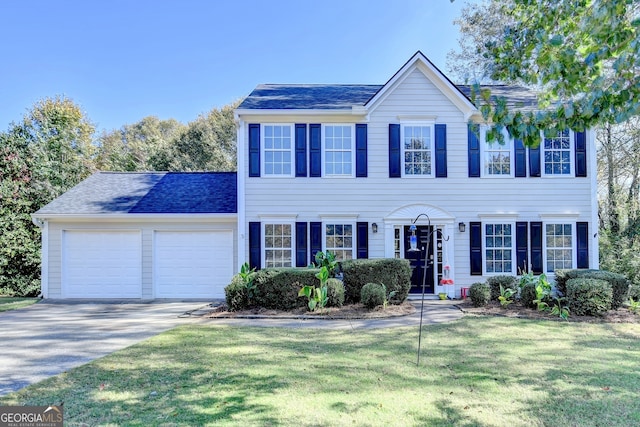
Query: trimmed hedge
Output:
(619,283)
(394,273)
(373,295)
(335,293)
(528,295)
(589,297)
(236,294)
(278,288)
(494,283)
(480,294)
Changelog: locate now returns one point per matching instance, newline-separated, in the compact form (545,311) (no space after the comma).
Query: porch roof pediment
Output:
(410,212)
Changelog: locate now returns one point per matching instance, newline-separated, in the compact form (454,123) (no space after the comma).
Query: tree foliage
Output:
(41,157)
(582,55)
(142,146)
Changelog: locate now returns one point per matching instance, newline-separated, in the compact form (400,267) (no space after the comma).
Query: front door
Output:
(417,258)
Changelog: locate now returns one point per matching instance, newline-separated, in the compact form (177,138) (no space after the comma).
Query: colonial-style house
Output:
(353,169)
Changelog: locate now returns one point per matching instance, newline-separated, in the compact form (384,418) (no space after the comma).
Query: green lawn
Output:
(13,303)
(479,371)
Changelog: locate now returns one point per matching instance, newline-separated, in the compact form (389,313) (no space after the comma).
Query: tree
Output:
(142,146)
(582,55)
(42,156)
(208,143)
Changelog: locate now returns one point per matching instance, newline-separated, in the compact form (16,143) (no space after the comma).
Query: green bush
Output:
(335,293)
(373,295)
(505,281)
(236,294)
(528,295)
(278,288)
(394,273)
(480,294)
(619,283)
(589,297)
(634,292)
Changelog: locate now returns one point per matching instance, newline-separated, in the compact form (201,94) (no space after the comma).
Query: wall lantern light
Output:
(461,227)
(374,227)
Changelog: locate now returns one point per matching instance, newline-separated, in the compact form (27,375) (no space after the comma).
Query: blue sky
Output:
(122,60)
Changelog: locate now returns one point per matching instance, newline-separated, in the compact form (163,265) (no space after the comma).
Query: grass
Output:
(479,371)
(14,303)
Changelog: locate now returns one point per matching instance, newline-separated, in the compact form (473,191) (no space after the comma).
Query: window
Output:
(338,150)
(557,154)
(498,239)
(339,240)
(417,147)
(559,246)
(278,245)
(278,148)
(497,156)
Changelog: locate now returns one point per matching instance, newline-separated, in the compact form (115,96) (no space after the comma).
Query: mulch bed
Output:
(515,310)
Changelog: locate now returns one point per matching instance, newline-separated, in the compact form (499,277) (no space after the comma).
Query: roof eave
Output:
(133,216)
(355,110)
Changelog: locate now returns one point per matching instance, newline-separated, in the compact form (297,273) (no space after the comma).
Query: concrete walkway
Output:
(51,337)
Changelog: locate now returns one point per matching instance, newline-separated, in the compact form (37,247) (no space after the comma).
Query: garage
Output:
(192,264)
(101,264)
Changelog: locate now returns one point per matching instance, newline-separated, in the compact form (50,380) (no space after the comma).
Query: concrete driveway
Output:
(48,338)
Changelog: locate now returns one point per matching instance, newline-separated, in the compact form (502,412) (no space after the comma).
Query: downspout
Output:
(44,255)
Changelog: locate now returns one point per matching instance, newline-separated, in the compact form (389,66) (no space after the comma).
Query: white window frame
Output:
(509,145)
(432,149)
(353,150)
(264,242)
(338,221)
(545,259)
(572,160)
(485,247)
(263,150)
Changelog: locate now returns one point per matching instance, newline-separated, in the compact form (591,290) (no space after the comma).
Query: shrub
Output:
(394,273)
(619,283)
(236,294)
(335,292)
(373,295)
(634,292)
(589,297)
(480,294)
(278,288)
(505,281)
(528,295)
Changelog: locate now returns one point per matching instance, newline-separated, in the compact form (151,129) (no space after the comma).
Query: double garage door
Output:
(109,264)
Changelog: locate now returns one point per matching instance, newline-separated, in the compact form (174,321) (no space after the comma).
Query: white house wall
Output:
(375,197)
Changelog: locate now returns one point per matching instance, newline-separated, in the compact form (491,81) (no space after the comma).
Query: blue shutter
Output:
(521,160)
(301,244)
(254,149)
(395,160)
(315,237)
(535,229)
(475,246)
(315,151)
(255,242)
(361,150)
(522,247)
(441,151)
(301,149)
(534,161)
(473,142)
(362,238)
(582,244)
(581,154)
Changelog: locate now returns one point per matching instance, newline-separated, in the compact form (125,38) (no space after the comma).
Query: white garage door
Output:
(192,264)
(101,264)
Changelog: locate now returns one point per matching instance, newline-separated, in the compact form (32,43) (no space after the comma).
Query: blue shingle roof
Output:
(331,97)
(149,193)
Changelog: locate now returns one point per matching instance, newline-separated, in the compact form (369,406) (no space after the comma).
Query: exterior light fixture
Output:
(461,227)
(374,227)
